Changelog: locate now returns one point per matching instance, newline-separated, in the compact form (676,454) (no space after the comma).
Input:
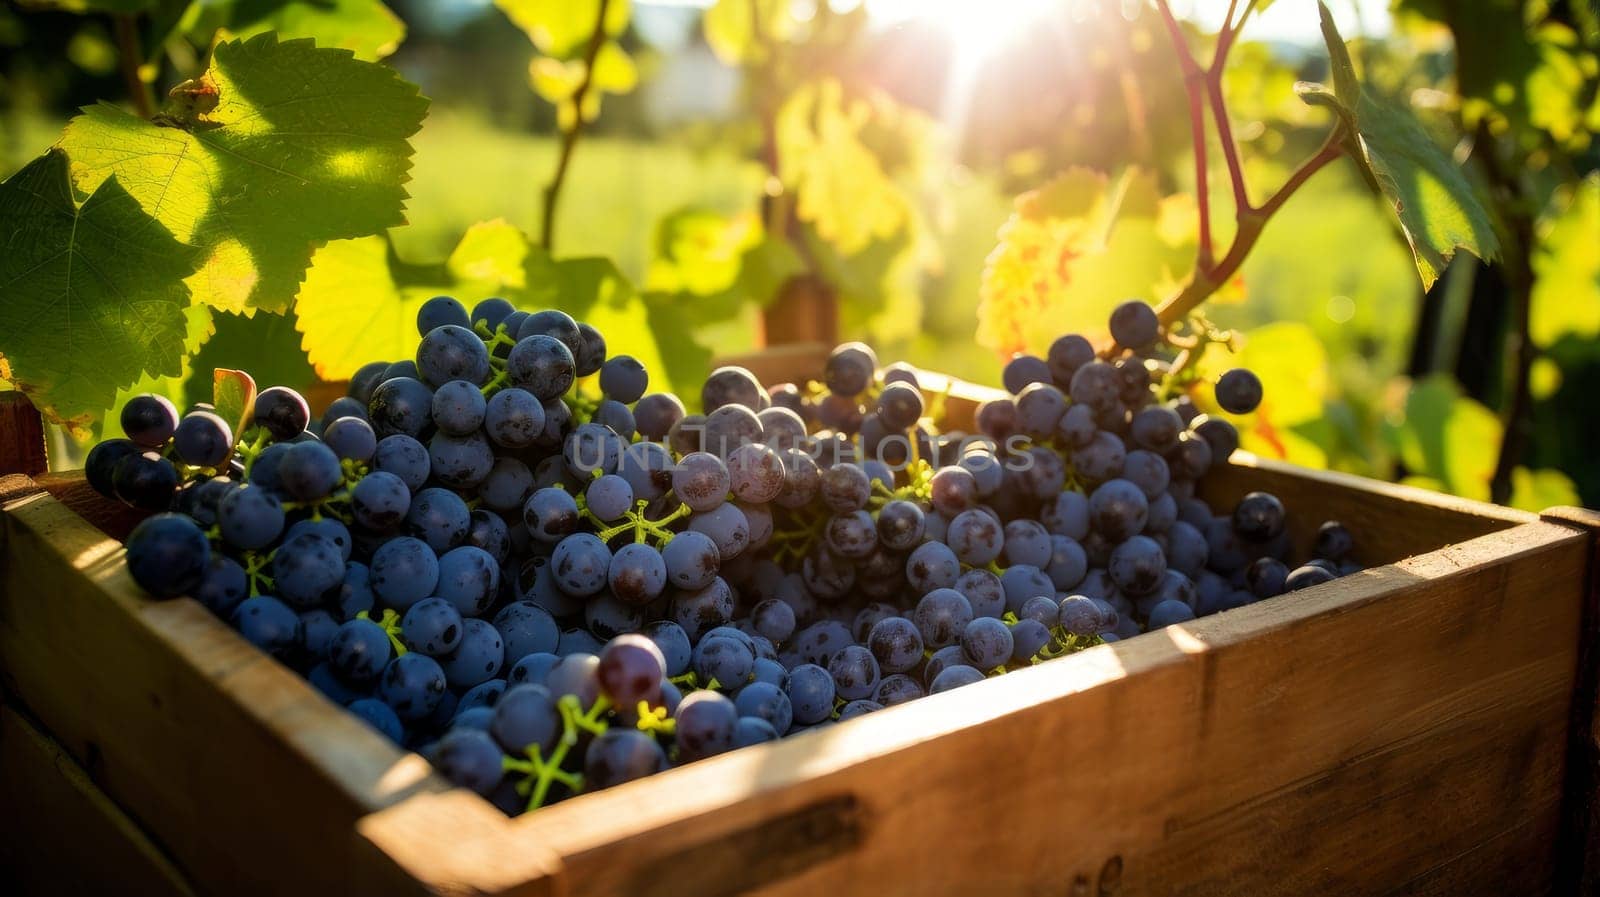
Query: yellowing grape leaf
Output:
(367,28)
(1072,251)
(277,148)
(1538,490)
(1566,265)
(558,81)
(91,296)
(1432,198)
(562,27)
(844,189)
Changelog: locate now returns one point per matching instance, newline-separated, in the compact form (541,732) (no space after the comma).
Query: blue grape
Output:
(380,501)
(578,674)
(932,565)
(458,408)
(203,439)
(305,567)
(755,473)
(705,722)
(975,537)
(470,758)
(222,585)
(1022,371)
(351,438)
(728,528)
(637,574)
(1101,459)
(1307,576)
(987,643)
(1134,325)
(724,659)
(896,644)
(452,352)
(647,467)
(526,628)
(1040,406)
(432,626)
(774,618)
(439,311)
(469,578)
(358,652)
(145,480)
(483,695)
(514,418)
(940,660)
(438,517)
(621,755)
(460,462)
(591,351)
(729,427)
(692,560)
(1138,565)
(673,642)
(701,481)
(766,701)
(478,658)
(532,668)
(954,676)
(491,312)
(580,564)
(605,617)
(317,628)
(750,730)
(525,716)
(1118,509)
(101,462)
(365,380)
(309,471)
(656,414)
(1238,391)
(1022,582)
(1080,616)
(615,416)
(168,555)
(268,624)
(1169,612)
(555,324)
(698,610)
(250,518)
(630,670)
(542,365)
(1068,564)
(551,515)
(1259,517)
(609,496)
(488,531)
(731,385)
(850,368)
(412,685)
(404,457)
(401,405)
(623,378)
(149,420)
(282,411)
(985,595)
(941,616)
(1028,638)
(404,571)
(380,716)
(1333,541)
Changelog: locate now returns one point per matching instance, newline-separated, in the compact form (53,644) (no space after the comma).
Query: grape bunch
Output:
(509,555)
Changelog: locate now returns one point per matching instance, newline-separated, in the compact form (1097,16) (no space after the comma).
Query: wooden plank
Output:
(55,818)
(223,755)
(1399,731)
(1579,844)
(21,436)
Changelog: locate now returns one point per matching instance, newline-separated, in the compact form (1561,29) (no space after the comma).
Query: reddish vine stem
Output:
(1202,86)
(128,60)
(569,140)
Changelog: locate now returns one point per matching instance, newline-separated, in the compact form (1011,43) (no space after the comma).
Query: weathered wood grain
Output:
(1402,730)
(59,834)
(222,754)
(1579,844)
(21,436)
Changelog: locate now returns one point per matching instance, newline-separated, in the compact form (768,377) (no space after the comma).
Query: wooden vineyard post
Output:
(21,436)
(805,311)
(1578,846)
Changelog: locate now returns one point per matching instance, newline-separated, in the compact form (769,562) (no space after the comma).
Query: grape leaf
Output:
(731,29)
(1449,437)
(233,394)
(1075,248)
(558,81)
(561,27)
(359,302)
(268,346)
(277,148)
(710,266)
(1566,265)
(91,296)
(365,27)
(843,188)
(1435,203)
(1538,490)
(115,7)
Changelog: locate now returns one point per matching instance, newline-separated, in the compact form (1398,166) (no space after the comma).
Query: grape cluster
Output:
(509,555)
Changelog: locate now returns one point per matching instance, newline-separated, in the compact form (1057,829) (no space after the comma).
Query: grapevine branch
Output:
(569,139)
(1204,87)
(128,60)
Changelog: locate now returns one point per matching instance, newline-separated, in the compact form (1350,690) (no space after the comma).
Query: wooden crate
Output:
(1423,727)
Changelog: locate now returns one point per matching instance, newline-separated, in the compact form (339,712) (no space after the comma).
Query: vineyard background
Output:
(765,146)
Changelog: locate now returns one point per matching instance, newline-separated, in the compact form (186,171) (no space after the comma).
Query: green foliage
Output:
(221,171)
(561,31)
(268,346)
(1566,295)
(743,32)
(1432,198)
(93,294)
(367,28)
(360,300)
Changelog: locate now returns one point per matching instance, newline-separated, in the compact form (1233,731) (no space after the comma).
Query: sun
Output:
(978,29)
